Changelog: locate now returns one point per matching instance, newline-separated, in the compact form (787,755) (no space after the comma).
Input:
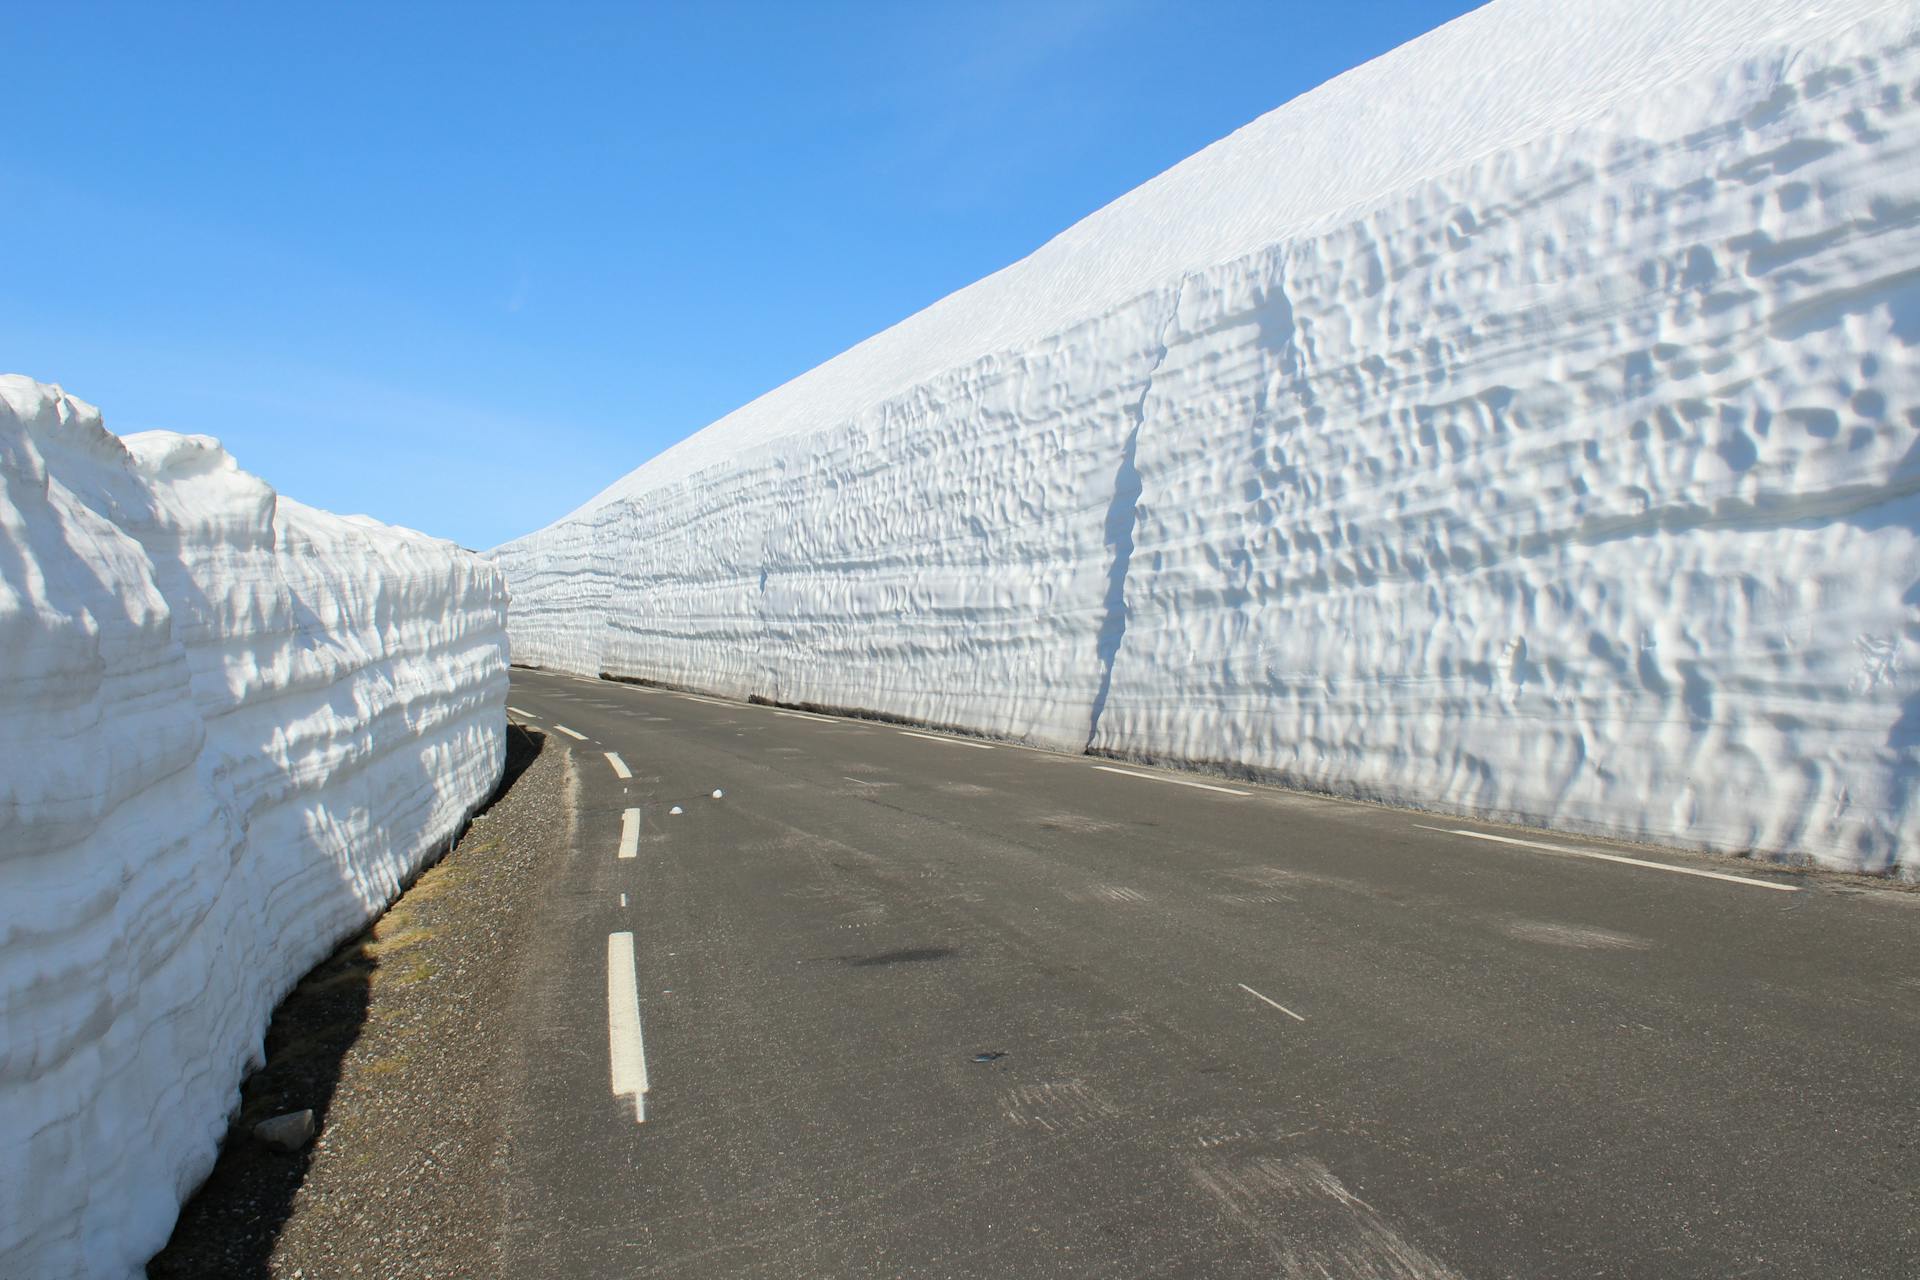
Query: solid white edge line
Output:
(952,742)
(694,697)
(1275,1003)
(630,833)
(571,733)
(620,769)
(802,715)
(1614,857)
(625,1049)
(1178,782)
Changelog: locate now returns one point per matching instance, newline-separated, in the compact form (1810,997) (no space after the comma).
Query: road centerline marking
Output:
(1275,1003)
(1614,857)
(1178,782)
(620,769)
(571,733)
(626,1051)
(630,833)
(952,742)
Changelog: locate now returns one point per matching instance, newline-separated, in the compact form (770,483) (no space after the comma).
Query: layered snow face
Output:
(1522,425)
(231,726)
(936,557)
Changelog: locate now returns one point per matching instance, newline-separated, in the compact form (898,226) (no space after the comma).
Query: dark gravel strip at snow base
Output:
(401,1044)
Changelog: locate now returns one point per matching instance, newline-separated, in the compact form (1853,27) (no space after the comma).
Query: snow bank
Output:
(230,727)
(1523,424)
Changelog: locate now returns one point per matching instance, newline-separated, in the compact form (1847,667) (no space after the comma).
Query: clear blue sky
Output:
(461,266)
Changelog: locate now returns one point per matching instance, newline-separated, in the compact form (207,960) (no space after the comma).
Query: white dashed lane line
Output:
(626,1048)
(630,833)
(571,733)
(1275,1003)
(620,769)
(1178,782)
(1613,857)
(952,742)
(518,712)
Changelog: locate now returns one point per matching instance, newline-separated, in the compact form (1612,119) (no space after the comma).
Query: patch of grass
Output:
(412,975)
(345,977)
(398,940)
(435,883)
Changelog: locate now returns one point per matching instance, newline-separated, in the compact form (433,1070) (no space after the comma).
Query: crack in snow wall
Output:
(1565,477)
(231,727)
(1122,514)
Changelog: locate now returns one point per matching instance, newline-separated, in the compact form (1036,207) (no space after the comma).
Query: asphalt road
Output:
(1240,1031)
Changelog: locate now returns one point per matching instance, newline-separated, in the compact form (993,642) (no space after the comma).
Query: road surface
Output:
(894,1003)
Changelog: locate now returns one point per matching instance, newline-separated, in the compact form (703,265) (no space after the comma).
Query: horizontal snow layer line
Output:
(1566,474)
(231,727)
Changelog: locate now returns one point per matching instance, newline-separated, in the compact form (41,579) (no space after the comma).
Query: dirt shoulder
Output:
(402,1045)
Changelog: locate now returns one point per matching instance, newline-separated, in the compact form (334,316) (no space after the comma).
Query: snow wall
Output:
(231,727)
(1520,425)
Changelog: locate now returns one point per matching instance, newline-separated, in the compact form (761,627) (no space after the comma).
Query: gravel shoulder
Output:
(403,1045)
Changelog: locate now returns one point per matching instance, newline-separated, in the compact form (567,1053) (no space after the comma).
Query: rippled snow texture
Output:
(230,727)
(1521,425)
